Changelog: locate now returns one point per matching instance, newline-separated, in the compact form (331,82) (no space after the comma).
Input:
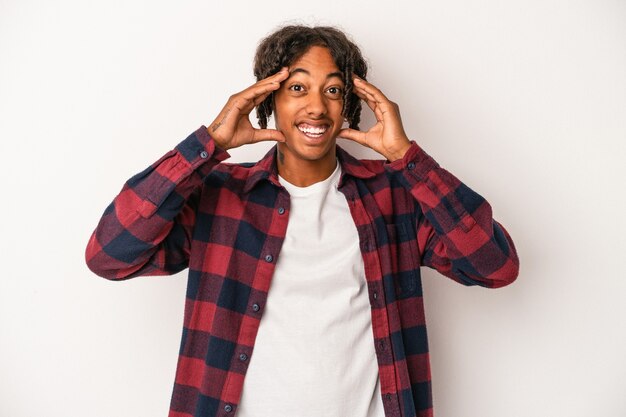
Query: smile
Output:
(312,131)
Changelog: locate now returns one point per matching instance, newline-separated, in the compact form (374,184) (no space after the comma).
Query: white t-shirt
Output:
(314,352)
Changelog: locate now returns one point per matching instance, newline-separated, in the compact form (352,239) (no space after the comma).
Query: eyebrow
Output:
(302,70)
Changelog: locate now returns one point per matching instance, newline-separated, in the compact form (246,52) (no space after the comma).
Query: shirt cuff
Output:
(198,147)
(415,160)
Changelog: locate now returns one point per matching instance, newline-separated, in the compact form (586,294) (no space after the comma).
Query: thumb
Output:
(352,134)
(260,135)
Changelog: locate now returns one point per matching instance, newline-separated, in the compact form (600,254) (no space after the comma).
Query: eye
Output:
(296,87)
(335,90)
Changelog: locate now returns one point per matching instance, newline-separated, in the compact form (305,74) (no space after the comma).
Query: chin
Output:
(308,152)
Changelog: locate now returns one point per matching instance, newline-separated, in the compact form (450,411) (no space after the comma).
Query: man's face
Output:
(307,107)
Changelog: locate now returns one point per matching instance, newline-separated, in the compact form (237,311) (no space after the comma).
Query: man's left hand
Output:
(387,136)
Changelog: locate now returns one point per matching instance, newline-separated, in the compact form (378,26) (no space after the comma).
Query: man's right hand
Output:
(232,127)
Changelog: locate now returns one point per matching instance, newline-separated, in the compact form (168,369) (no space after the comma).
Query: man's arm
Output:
(456,232)
(147,228)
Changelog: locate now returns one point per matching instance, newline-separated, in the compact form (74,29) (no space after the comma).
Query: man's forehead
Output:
(300,70)
(317,59)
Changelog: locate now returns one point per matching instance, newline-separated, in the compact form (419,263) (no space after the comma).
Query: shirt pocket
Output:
(404,259)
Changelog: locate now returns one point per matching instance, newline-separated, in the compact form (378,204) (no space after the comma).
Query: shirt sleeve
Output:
(147,229)
(456,232)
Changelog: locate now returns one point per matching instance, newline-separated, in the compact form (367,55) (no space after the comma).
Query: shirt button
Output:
(243,357)
(256,307)
(410,165)
(281,210)
(381,345)
(228,408)
(204,154)
(388,397)
(269,258)
(375,295)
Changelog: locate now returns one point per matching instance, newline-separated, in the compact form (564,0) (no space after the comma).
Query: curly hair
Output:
(289,43)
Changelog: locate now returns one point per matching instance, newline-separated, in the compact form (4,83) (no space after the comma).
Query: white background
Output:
(525,101)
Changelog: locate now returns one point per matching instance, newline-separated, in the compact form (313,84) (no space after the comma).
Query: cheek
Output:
(336,112)
(280,119)
(283,111)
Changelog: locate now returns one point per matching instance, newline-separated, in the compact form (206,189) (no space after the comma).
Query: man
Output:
(304,294)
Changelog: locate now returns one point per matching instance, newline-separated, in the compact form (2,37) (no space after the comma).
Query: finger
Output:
(383,103)
(272,80)
(371,103)
(362,92)
(254,95)
(257,98)
(259,91)
(242,103)
(277,77)
(281,75)
(373,92)
(260,135)
(369,94)
(256,90)
(371,89)
(353,135)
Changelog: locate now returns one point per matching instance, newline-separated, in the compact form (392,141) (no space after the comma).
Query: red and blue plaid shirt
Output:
(226,223)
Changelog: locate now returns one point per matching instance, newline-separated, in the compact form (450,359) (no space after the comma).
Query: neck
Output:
(303,173)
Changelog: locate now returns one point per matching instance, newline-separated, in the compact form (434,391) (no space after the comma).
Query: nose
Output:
(316,104)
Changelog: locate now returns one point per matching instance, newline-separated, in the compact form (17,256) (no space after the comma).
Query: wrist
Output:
(217,141)
(398,153)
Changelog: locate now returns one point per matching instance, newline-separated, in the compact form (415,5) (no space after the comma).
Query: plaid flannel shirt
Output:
(226,222)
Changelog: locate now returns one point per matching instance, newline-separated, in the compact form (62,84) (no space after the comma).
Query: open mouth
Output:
(311,131)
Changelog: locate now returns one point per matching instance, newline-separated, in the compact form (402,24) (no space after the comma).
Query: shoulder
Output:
(237,177)
(377,166)
(232,170)
(363,168)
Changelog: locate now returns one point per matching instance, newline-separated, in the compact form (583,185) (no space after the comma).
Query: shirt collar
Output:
(266,169)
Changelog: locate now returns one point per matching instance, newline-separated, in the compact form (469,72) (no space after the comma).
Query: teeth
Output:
(312,130)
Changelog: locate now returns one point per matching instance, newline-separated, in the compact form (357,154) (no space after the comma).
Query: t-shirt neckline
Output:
(318,187)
